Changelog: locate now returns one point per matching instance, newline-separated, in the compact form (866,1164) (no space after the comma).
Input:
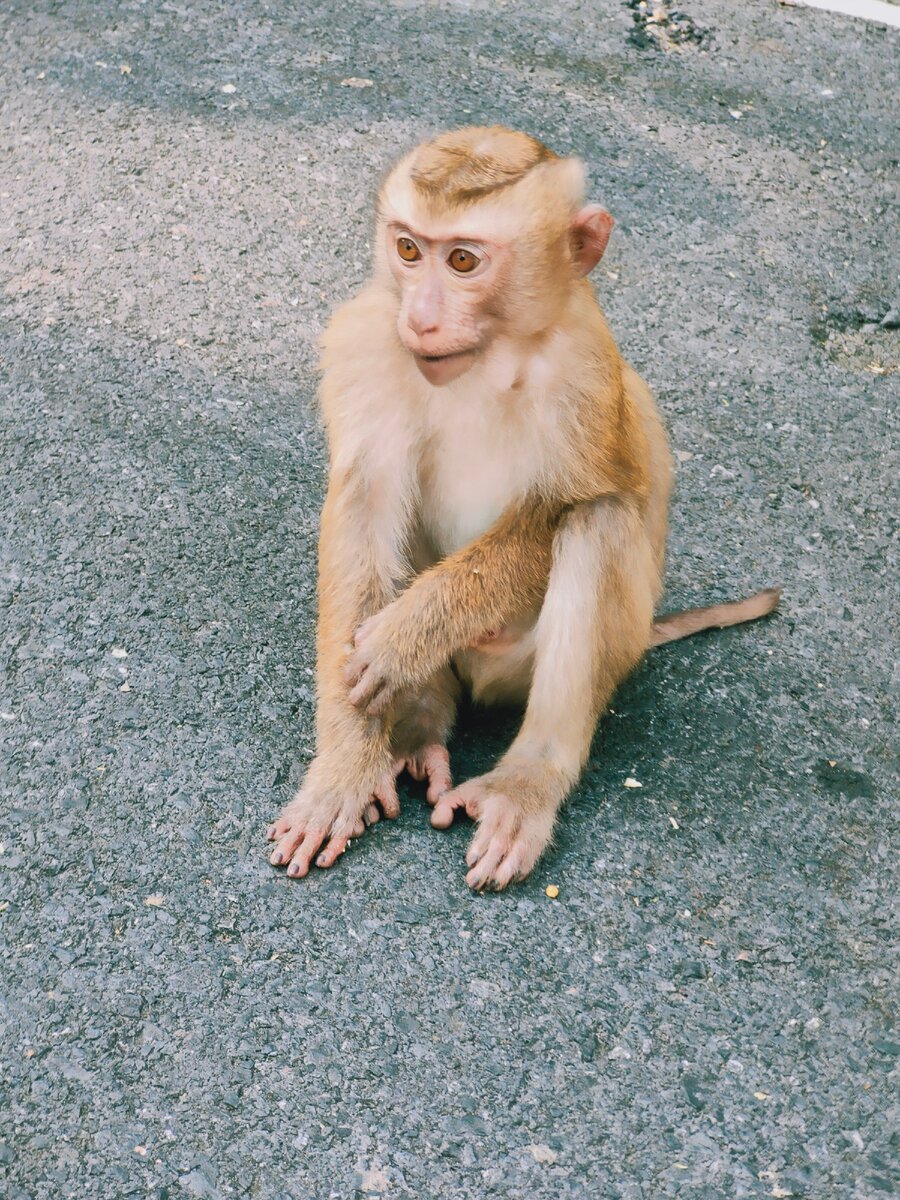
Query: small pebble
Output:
(552,890)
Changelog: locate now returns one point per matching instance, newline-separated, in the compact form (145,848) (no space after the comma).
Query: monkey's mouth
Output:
(440,369)
(434,358)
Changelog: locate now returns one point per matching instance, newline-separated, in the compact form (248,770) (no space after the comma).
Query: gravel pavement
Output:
(707,1010)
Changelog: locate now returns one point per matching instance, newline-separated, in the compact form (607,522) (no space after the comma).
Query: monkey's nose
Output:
(422,324)
(423,314)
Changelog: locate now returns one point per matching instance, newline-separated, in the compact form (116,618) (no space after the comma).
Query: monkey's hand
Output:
(500,575)
(515,807)
(336,802)
(384,662)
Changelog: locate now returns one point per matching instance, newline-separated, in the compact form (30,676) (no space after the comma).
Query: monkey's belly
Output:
(498,669)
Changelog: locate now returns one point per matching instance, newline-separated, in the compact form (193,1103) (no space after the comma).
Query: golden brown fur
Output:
(497,505)
(468,164)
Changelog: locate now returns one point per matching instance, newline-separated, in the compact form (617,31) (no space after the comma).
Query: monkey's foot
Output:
(317,827)
(515,826)
(432,762)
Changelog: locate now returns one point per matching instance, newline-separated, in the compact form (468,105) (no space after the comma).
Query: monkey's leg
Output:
(420,728)
(351,777)
(593,628)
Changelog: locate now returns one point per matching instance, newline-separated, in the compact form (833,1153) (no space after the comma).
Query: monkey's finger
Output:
(279,828)
(469,795)
(365,687)
(333,851)
(304,854)
(286,846)
(381,700)
(416,767)
(354,670)
(372,814)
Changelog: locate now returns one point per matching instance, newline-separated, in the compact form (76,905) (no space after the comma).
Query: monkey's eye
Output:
(463,261)
(408,250)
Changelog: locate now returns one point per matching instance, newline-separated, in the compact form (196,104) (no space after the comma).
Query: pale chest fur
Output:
(480,455)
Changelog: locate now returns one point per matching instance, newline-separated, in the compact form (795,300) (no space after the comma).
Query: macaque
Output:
(496,511)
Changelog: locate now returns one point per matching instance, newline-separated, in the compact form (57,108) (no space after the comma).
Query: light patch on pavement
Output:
(866,10)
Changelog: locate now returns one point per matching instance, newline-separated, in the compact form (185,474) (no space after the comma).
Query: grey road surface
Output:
(707,1010)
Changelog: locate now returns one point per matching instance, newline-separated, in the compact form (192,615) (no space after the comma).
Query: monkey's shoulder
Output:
(366,374)
(361,330)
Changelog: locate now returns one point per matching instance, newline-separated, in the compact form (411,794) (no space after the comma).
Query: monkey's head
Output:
(483,232)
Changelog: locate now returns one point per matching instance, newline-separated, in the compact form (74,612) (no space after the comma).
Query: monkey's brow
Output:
(461,237)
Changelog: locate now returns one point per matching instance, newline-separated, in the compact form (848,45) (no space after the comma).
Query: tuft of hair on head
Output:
(474,163)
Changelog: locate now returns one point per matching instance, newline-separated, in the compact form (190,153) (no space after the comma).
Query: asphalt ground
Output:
(707,1010)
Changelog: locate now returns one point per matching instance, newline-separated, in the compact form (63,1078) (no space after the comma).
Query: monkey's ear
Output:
(590,232)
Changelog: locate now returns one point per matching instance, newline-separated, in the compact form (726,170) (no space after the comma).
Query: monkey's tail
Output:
(672,626)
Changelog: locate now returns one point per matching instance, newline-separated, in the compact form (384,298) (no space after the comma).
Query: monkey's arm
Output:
(593,628)
(353,585)
(360,569)
(485,584)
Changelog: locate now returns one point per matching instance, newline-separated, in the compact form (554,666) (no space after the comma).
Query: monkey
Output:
(496,509)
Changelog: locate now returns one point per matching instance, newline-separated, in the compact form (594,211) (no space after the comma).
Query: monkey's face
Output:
(449,299)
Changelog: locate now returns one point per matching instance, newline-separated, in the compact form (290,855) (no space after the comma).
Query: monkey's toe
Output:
(446,807)
(508,843)
(285,848)
(469,796)
(501,864)
(435,760)
(445,810)
(431,763)
(386,798)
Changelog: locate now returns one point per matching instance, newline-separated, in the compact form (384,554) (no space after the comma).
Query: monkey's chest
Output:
(469,476)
